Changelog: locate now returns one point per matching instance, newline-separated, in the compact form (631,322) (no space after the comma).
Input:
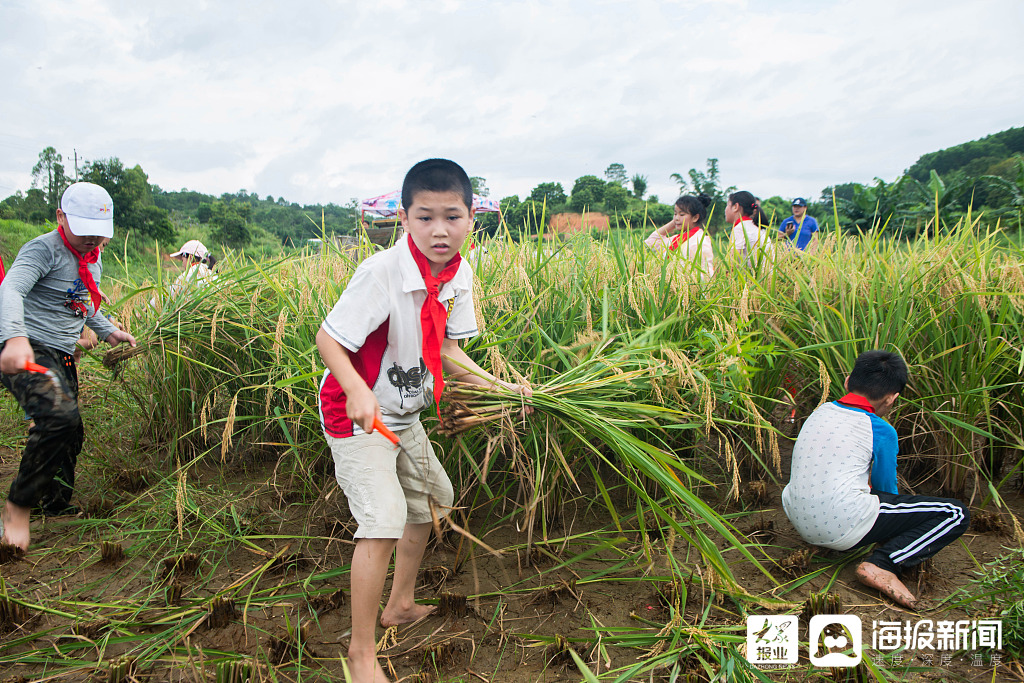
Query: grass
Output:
(659,400)
(13,234)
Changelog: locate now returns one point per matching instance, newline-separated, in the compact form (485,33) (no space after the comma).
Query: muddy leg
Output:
(369,570)
(402,607)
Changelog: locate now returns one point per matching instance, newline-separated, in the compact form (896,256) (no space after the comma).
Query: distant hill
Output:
(986,156)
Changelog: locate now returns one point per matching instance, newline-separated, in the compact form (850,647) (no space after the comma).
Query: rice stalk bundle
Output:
(111,552)
(9,552)
(237,671)
(119,670)
(12,613)
(123,352)
(221,612)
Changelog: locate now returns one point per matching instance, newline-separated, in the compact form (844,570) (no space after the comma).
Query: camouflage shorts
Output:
(46,475)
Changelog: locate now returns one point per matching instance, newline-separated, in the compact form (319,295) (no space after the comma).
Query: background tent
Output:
(387,205)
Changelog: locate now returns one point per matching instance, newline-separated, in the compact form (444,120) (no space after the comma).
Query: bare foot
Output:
(887,583)
(15,524)
(395,616)
(366,668)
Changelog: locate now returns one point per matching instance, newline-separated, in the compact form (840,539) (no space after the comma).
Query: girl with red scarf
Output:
(685,235)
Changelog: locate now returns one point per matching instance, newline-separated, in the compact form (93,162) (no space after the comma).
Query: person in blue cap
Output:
(799,228)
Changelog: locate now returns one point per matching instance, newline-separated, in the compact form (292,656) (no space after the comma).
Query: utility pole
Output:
(76,165)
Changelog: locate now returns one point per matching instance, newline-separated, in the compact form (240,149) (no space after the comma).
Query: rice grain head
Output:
(752,407)
(733,466)
(213,327)
(497,362)
(229,427)
(773,443)
(708,406)
(282,320)
(204,418)
(826,382)
(179,500)
(479,313)
(1018,532)
(634,287)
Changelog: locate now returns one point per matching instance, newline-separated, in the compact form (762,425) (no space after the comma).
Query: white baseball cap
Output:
(193,248)
(89,210)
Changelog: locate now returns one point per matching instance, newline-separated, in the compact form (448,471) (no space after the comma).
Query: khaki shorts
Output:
(387,486)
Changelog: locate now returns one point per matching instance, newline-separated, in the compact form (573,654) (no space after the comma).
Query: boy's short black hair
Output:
(436,175)
(876,374)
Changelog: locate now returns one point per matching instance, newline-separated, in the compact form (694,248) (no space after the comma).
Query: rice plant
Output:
(660,402)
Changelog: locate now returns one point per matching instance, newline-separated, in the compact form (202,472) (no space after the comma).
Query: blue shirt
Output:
(801,237)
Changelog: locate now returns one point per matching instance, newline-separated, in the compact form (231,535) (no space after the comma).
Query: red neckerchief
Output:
(739,220)
(680,239)
(855,401)
(433,316)
(83,269)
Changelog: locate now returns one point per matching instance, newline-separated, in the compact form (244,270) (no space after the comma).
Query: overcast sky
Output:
(327,101)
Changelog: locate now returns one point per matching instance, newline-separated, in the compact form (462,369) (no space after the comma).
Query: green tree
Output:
(155,222)
(873,207)
(49,172)
(639,186)
(550,193)
(707,182)
(616,173)
(615,198)
(133,198)
(776,209)
(988,150)
(587,191)
(479,186)
(228,225)
(205,212)
(583,199)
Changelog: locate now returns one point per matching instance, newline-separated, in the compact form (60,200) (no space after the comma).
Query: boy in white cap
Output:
(50,291)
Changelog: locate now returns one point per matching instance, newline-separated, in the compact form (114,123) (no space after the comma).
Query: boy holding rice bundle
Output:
(385,343)
(842,488)
(50,292)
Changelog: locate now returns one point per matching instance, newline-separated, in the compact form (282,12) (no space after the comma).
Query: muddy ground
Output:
(498,615)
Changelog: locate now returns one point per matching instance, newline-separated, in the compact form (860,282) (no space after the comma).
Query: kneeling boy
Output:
(842,487)
(384,343)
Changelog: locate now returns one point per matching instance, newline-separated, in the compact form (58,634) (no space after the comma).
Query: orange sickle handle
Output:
(35,367)
(385,432)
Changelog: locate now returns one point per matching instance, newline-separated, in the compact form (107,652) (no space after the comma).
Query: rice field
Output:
(622,532)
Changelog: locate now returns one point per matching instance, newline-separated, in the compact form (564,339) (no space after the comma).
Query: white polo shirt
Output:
(697,250)
(749,238)
(377,319)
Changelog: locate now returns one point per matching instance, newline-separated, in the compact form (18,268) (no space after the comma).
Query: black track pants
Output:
(910,529)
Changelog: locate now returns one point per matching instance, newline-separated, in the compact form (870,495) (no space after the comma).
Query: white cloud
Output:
(328,101)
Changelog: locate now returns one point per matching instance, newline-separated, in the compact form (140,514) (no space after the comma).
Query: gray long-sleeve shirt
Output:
(41,292)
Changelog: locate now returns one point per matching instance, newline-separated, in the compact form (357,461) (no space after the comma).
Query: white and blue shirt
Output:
(843,451)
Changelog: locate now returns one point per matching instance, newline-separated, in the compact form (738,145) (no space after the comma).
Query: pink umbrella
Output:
(387,205)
